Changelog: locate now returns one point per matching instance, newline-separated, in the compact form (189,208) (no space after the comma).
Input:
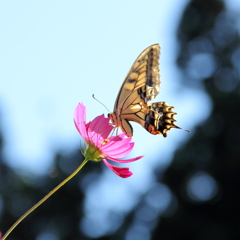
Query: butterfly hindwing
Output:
(156,118)
(160,118)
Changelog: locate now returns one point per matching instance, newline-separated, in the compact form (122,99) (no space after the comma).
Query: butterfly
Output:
(141,85)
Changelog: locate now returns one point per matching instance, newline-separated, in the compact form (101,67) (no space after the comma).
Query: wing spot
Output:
(131,80)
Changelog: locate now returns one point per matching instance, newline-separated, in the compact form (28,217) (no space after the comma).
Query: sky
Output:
(55,54)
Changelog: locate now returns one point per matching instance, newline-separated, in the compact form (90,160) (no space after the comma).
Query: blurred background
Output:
(56,54)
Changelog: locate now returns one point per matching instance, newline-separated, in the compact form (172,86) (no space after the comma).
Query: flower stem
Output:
(44,199)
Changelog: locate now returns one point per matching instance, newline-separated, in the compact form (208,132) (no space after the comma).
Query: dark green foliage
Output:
(60,214)
(215,146)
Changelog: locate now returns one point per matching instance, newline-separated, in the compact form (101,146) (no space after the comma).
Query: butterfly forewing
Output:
(143,73)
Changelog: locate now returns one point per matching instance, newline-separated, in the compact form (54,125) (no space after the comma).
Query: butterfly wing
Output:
(141,85)
(143,73)
(156,118)
(160,118)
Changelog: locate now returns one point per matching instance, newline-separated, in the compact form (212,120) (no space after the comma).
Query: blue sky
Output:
(54,54)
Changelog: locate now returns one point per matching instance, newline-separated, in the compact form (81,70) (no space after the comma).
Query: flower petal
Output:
(80,119)
(99,129)
(100,125)
(117,146)
(120,152)
(125,160)
(121,172)
(115,140)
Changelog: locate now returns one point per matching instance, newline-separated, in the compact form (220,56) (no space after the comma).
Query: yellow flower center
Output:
(105,141)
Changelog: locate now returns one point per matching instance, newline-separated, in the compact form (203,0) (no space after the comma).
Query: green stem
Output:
(43,199)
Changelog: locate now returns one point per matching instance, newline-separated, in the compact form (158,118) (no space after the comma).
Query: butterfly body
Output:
(141,85)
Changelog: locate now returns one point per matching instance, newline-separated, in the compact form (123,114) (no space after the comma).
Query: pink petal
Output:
(99,129)
(120,137)
(101,126)
(117,146)
(117,141)
(80,119)
(87,125)
(121,172)
(106,131)
(120,152)
(125,160)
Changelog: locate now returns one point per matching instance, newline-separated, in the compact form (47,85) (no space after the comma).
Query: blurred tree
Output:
(57,218)
(204,175)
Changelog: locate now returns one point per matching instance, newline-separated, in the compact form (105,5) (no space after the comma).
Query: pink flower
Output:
(98,146)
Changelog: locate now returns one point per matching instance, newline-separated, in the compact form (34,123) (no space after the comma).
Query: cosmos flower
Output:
(100,147)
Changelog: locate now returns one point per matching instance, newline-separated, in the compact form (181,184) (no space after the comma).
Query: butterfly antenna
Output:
(100,103)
